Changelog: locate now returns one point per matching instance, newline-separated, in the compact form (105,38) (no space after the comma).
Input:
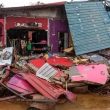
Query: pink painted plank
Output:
(18,84)
(92,73)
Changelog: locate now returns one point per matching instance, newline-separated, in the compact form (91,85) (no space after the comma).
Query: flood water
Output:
(83,102)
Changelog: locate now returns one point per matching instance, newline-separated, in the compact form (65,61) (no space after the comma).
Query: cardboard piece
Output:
(7,61)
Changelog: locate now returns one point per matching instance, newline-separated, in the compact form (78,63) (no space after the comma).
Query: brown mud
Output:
(83,102)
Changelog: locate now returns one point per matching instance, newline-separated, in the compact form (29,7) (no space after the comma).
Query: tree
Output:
(37,3)
(1,5)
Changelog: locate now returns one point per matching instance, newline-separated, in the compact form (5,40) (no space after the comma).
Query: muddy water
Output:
(87,102)
(83,102)
(13,106)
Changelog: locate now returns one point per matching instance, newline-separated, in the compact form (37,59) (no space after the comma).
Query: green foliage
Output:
(37,3)
(1,5)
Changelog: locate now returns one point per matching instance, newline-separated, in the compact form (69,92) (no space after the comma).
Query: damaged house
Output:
(42,24)
(80,27)
(86,25)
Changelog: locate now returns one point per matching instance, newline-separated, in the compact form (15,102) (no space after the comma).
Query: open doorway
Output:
(39,41)
(63,39)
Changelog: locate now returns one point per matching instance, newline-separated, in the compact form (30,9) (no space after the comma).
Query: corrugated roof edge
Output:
(35,6)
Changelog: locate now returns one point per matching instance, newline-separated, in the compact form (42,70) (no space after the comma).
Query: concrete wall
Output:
(58,13)
(10,21)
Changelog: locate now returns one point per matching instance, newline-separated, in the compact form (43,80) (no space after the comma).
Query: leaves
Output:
(1,5)
(37,3)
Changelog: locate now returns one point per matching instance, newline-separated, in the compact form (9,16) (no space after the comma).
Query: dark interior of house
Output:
(38,41)
(17,33)
(61,42)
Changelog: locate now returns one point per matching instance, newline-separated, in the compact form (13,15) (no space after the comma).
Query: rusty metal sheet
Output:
(44,87)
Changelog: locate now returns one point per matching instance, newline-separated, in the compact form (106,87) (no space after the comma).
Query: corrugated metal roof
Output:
(89,25)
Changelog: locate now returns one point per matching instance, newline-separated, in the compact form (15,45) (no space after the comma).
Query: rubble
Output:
(53,78)
(92,73)
(6,56)
(18,84)
(46,72)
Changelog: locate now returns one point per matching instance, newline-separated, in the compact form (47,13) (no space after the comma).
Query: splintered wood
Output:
(32,67)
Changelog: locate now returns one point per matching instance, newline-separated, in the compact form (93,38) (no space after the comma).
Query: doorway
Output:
(63,39)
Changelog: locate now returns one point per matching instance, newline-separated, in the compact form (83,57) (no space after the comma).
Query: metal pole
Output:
(35,100)
(14,96)
(12,91)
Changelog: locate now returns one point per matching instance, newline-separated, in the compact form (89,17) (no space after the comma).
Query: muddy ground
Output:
(83,102)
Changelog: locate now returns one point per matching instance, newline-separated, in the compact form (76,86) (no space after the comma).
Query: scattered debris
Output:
(92,73)
(6,56)
(46,72)
(18,84)
(60,61)
(46,80)
(44,87)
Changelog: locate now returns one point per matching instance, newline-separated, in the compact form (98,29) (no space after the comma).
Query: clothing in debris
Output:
(47,48)
(23,46)
(18,45)
(29,47)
